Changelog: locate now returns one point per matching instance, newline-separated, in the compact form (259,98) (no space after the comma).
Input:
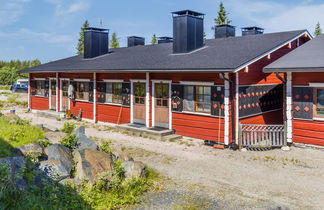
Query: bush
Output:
(5,87)
(106,146)
(68,127)
(44,143)
(70,141)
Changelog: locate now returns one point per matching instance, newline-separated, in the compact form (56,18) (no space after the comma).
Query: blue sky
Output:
(48,29)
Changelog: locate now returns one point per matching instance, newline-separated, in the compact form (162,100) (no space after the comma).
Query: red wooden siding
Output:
(124,76)
(308,132)
(177,77)
(196,126)
(86,107)
(42,75)
(304,78)
(39,103)
(113,114)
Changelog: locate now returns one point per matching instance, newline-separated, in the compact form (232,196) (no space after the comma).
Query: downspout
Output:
(222,76)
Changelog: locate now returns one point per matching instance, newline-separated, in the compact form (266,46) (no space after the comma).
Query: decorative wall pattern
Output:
(303,102)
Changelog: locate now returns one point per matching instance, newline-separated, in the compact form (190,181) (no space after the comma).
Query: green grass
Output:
(16,134)
(5,87)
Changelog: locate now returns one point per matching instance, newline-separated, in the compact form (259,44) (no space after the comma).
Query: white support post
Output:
(94,97)
(153,104)
(57,93)
(147,100)
(28,95)
(49,93)
(289,106)
(226,110)
(132,104)
(237,120)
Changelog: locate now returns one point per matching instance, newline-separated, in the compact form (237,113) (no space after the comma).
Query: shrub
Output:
(69,141)
(106,146)
(44,143)
(68,127)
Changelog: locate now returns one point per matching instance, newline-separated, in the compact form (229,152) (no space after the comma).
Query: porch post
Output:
(147,100)
(237,121)
(28,95)
(94,97)
(57,93)
(289,107)
(226,110)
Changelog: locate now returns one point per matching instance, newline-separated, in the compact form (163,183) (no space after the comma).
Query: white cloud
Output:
(63,8)
(11,11)
(278,16)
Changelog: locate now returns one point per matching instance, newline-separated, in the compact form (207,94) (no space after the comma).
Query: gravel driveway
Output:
(206,178)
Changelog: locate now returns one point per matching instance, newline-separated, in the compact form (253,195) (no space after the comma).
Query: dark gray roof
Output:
(307,58)
(225,54)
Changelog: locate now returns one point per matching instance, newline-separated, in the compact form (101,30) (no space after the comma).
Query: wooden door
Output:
(139,114)
(53,95)
(65,98)
(161,105)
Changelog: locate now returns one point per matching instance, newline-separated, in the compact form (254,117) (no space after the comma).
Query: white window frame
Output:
(61,94)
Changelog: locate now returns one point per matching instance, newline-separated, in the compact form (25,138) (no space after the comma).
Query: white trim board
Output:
(271,51)
(113,80)
(138,80)
(226,110)
(316,84)
(39,79)
(81,80)
(197,83)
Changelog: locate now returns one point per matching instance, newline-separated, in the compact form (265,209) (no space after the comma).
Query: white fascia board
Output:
(113,80)
(197,83)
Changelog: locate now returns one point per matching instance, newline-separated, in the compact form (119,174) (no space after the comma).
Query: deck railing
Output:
(262,136)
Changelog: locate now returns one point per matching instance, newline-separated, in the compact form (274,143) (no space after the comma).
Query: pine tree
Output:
(80,46)
(154,39)
(222,16)
(318,30)
(114,43)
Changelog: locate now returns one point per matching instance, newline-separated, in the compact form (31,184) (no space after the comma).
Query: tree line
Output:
(8,70)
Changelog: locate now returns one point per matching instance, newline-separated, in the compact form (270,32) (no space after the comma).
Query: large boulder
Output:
(55,169)
(54,137)
(83,142)
(59,163)
(118,154)
(28,149)
(90,163)
(133,169)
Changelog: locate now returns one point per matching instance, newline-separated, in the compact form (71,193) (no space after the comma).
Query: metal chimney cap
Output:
(225,25)
(252,28)
(96,29)
(188,12)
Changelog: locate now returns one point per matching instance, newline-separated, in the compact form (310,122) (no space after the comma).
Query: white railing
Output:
(262,136)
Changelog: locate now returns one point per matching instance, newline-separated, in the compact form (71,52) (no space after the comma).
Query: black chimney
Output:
(164,39)
(95,42)
(224,31)
(252,31)
(135,40)
(188,31)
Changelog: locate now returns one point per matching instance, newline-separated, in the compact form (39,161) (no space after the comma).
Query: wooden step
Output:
(171,137)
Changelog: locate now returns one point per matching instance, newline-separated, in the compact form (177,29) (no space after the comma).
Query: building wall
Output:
(38,102)
(308,131)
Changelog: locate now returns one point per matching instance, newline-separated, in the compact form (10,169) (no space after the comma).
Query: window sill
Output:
(80,100)
(318,119)
(113,104)
(198,113)
(39,96)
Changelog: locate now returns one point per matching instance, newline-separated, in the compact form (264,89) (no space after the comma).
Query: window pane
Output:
(320,97)
(109,92)
(207,90)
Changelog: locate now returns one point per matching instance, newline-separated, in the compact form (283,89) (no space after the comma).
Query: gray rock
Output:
(122,156)
(91,163)
(59,152)
(28,149)
(15,164)
(285,148)
(54,137)
(55,170)
(83,142)
(50,127)
(134,169)
(79,131)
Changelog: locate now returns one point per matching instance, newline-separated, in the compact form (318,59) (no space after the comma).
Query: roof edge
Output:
(286,70)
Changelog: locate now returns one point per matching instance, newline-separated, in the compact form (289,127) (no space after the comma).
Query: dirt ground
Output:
(200,177)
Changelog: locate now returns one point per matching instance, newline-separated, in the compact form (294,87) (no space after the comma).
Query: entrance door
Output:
(139,103)
(65,99)
(53,95)
(161,105)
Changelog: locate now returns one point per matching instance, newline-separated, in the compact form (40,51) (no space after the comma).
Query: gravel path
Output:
(224,179)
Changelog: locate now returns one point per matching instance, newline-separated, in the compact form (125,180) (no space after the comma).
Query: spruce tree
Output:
(222,16)
(318,30)
(114,43)
(80,46)
(154,39)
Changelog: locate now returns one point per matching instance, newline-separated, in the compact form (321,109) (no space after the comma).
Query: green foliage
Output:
(68,127)
(318,30)
(8,70)
(154,39)
(16,133)
(106,146)
(4,87)
(69,141)
(222,16)
(114,43)
(80,46)
(44,143)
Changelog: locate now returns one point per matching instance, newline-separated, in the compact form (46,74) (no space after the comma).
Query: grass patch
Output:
(5,87)
(68,127)
(106,146)
(16,133)
(269,158)
(70,141)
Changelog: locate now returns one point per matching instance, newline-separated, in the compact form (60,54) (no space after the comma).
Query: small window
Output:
(39,88)
(162,95)
(319,102)
(53,87)
(197,99)
(82,91)
(139,93)
(65,88)
(114,93)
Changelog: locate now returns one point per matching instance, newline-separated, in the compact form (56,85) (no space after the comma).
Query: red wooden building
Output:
(199,88)
(304,68)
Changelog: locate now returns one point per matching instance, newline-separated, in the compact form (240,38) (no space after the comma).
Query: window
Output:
(114,92)
(139,95)
(197,99)
(39,88)
(65,88)
(319,102)
(162,95)
(53,87)
(82,91)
